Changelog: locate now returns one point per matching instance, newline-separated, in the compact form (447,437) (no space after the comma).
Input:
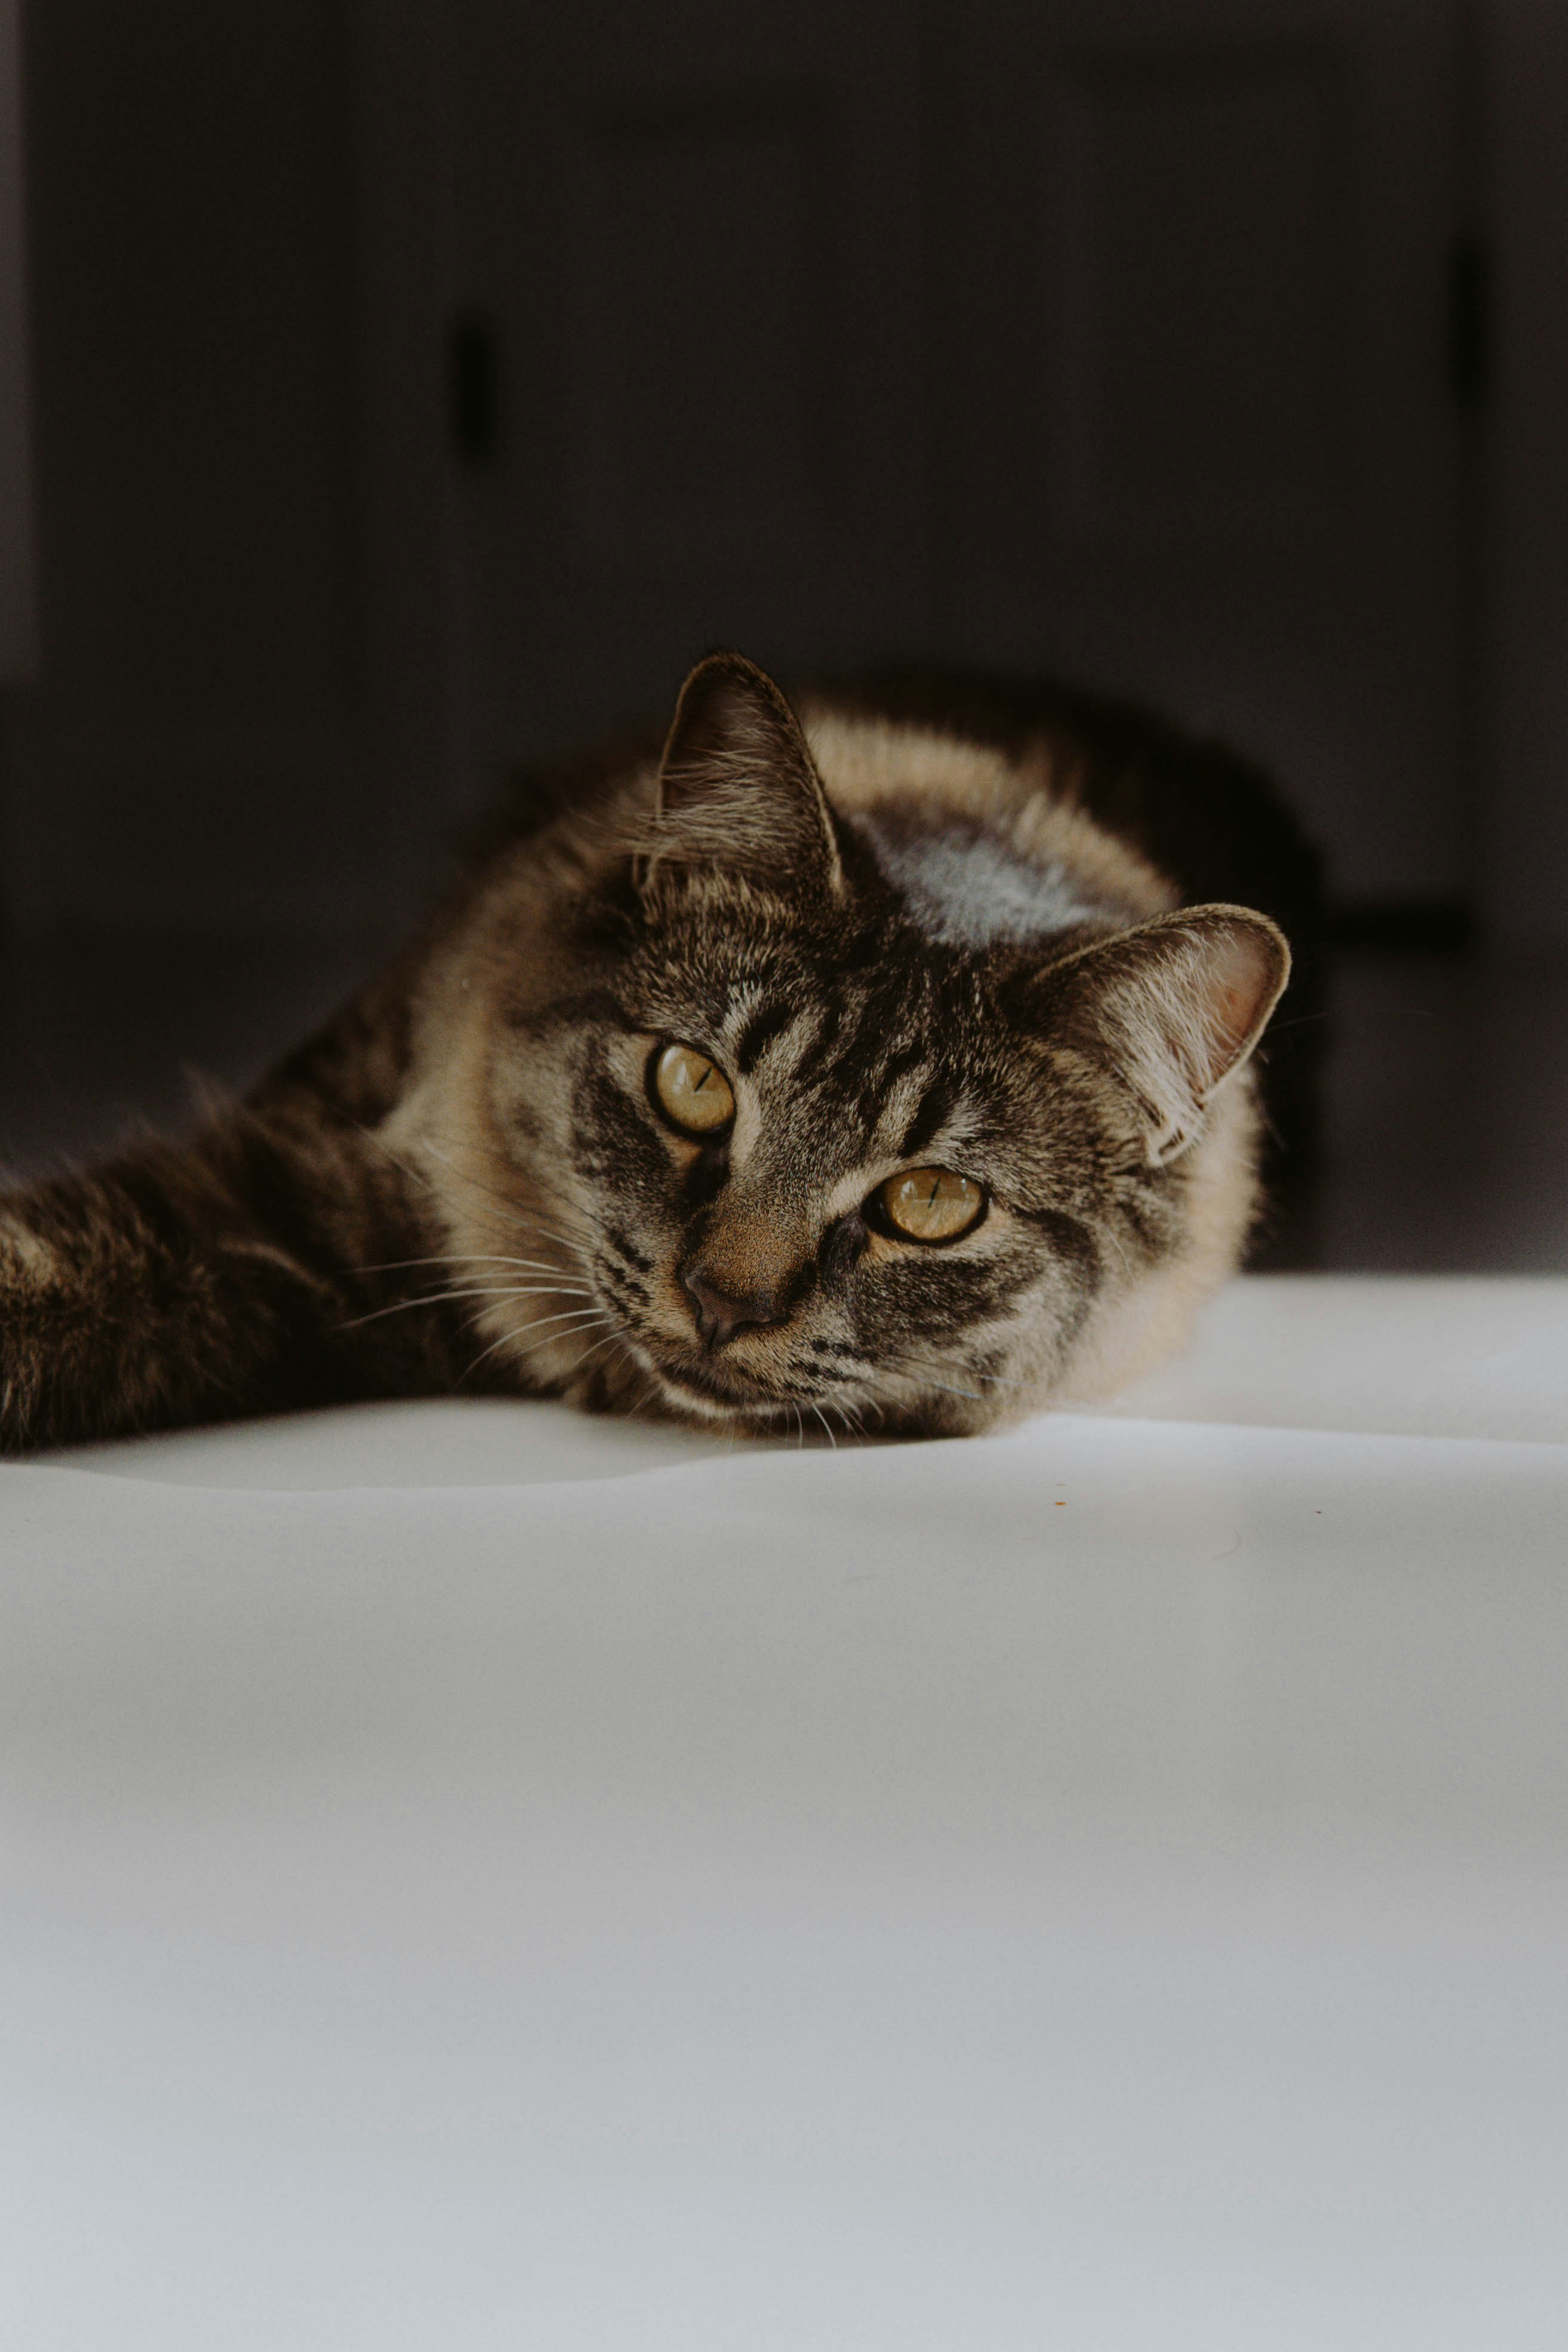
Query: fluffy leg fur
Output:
(227,1276)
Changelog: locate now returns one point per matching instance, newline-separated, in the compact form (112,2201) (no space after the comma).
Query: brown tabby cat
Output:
(873,1059)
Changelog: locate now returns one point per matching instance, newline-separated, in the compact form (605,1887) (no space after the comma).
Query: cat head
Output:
(817,1156)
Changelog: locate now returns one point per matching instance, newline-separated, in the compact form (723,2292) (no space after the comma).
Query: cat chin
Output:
(770,1417)
(707,1396)
(696,1393)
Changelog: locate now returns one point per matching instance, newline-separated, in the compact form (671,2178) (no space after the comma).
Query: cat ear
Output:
(1177,1004)
(737,786)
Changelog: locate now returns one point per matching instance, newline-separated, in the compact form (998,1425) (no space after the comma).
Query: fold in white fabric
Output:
(1104,1885)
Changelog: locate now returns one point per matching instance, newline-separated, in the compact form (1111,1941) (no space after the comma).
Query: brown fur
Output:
(971,924)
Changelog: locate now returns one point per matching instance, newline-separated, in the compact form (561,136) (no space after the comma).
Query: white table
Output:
(478,1877)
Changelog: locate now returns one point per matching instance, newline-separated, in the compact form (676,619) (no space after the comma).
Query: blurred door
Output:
(695,231)
(1099,336)
(1198,440)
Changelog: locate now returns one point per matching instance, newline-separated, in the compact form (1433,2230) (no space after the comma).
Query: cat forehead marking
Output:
(969,891)
(764,1025)
(817,1062)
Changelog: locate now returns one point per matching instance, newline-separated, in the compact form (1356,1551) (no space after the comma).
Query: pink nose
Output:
(719,1314)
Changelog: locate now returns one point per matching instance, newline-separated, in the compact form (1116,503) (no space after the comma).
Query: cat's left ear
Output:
(737,785)
(1175,1006)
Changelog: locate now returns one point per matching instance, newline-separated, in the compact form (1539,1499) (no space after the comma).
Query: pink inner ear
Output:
(1243,971)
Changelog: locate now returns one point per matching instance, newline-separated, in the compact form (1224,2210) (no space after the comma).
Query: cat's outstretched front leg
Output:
(227,1276)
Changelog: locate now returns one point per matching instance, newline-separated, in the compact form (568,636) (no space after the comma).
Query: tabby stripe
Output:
(854,1068)
(932,1115)
(878,1085)
(760,1032)
(1073,1242)
(821,1045)
(618,1238)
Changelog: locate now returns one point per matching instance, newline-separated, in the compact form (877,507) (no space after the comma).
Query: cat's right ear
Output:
(737,785)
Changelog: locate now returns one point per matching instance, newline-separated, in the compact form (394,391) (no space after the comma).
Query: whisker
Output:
(419,1176)
(559,1222)
(581,1247)
(524,1290)
(463,1257)
(434,1298)
(609,1340)
(650,1388)
(466,1175)
(617,1338)
(518,1214)
(567,1315)
(920,1380)
(573,1236)
(398,1306)
(580,1317)
(520,1290)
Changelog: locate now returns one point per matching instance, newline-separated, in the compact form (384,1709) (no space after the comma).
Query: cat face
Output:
(826,1157)
(825,1173)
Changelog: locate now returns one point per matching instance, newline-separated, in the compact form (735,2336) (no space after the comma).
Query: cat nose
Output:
(719,1314)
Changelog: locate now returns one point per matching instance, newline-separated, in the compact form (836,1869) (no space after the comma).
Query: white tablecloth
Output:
(476,1876)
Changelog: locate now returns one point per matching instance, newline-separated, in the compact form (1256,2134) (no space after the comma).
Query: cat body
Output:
(883,1060)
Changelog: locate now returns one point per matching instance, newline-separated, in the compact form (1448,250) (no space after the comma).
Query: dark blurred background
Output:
(390,389)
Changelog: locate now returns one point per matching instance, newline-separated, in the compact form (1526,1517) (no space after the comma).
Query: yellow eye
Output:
(692,1092)
(932,1205)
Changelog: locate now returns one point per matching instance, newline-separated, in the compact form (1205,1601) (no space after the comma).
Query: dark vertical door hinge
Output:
(473,388)
(1469,323)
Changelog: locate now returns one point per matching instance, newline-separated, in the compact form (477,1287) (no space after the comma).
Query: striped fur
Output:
(904,945)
